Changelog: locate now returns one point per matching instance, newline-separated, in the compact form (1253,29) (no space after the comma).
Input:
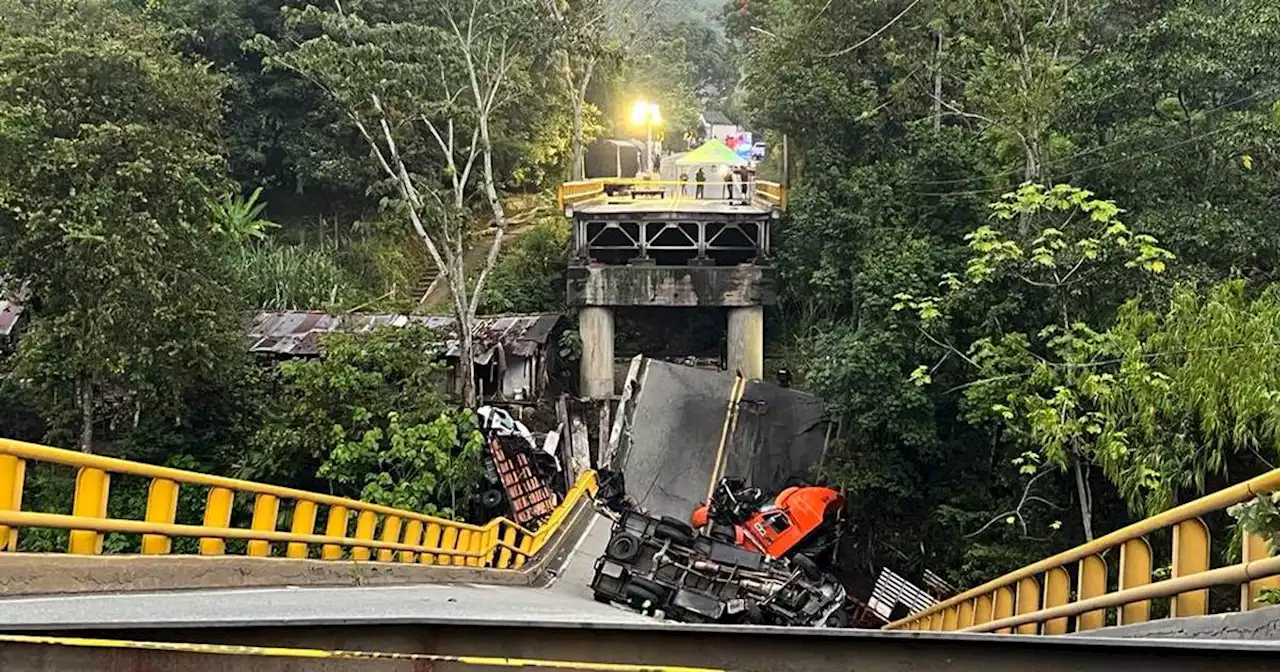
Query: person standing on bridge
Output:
(701,178)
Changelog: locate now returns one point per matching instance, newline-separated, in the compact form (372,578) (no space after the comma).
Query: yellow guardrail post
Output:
(1028,601)
(366,526)
(433,539)
(1253,548)
(304,522)
(93,486)
(335,526)
(1057,592)
(162,507)
(413,537)
(1093,583)
(12,473)
(390,532)
(1004,605)
(508,540)
(982,609)
(951,619)
(217,514)
(1190,556)
(1135,570)
(266,512)
(448,542)
(965,619)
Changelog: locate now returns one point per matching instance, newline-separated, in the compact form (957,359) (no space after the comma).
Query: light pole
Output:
(648,115)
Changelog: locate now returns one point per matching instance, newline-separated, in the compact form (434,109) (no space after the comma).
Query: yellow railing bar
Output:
(1215,502)
(572,192)
(30,451)
(63,521)
(1223,576)
(89,520)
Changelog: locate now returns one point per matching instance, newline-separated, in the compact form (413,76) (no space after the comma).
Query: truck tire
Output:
(653,587)
(642,600)
(623,548)
(806,565)
(491,499)
(674,530)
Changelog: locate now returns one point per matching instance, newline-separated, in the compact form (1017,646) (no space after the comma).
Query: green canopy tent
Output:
(712,153)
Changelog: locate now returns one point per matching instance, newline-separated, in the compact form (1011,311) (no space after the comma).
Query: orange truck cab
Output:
(794,518)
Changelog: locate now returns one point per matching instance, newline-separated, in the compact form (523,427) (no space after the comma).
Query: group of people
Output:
(739,178)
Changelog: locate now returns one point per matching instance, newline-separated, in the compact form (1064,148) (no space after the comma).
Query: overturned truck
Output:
(663,566)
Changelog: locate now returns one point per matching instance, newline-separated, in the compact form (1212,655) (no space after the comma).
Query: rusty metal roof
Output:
(297,333)
(9,314)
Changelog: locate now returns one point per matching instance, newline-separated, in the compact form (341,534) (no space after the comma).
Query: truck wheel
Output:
(602,598)
(806,564)
(623,548)
(642,600)
(675,530)
(491,499)
(653,587)
(839,619)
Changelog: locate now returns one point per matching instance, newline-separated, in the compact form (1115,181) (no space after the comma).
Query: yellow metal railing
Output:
(394,535)
(1076,585)
(571,193)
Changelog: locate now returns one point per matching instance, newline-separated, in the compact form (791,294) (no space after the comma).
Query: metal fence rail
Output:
(1049,598)
(767,193)
(383,533)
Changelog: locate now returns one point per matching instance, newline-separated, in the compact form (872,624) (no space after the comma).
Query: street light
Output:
(648,115)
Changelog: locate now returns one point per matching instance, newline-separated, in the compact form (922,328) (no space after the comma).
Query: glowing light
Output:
(645,113)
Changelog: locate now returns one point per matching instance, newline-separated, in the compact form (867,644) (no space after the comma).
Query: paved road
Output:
(438,603)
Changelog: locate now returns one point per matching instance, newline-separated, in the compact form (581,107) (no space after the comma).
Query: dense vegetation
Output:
(1013,380)
(1028,263)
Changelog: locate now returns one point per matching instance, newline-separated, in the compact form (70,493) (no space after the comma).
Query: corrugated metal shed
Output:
(297,334)
(9,314)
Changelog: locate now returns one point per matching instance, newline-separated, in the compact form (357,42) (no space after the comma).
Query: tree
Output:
(370,417)
(1042,384)
(1195,392)
(109,158)
(589,34)
(428,80)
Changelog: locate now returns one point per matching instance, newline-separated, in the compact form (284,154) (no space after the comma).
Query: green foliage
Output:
(427,467)
(1043,384)
(1261,516)
(275,276)
(108,148)
(317,409)
(240,218)
(1161,106)
(1195,392)
(530,275)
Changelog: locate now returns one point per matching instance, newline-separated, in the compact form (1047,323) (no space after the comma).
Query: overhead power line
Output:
(1087,152)
(874,35)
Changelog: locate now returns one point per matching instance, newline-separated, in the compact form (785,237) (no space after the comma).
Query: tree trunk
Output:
(1086,499)
(937,80)
(579,150)
(579,107)
(466,363)
(86,415)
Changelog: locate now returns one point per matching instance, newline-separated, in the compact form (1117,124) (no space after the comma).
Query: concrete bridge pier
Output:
(595,326)
(746,341)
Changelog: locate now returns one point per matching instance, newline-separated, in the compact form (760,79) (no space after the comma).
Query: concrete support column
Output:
(595,375)
(746,341)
